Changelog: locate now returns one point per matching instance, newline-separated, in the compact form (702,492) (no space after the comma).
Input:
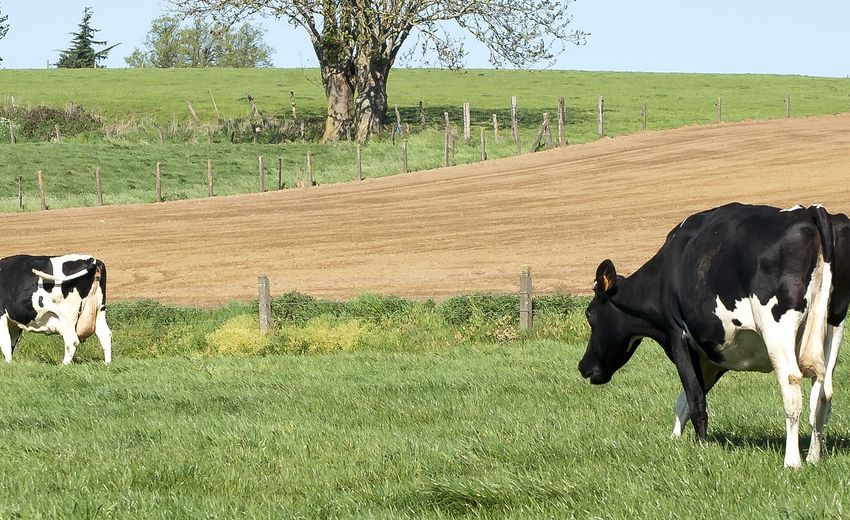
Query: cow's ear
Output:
(606,278)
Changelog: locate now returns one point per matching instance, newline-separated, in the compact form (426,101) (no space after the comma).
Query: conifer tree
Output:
(4,27)
(81,54)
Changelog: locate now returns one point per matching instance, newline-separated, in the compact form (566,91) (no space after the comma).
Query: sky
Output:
(722,36)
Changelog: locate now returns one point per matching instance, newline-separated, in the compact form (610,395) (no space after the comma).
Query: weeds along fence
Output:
(270,174)
(518,308)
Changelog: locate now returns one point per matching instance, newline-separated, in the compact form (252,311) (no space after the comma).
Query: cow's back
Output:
(735,254)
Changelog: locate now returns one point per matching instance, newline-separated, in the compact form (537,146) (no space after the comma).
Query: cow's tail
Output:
(812,352)
(56,278)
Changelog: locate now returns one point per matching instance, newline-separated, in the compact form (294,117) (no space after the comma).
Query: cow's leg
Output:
(710,375)
(820,401)
(781,349)
(692,388)
(6,337)
(104,335)
(70,338)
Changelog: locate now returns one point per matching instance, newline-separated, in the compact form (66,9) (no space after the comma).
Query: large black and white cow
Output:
(63,295)
(738,287)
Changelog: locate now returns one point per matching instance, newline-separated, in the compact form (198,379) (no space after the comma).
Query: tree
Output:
(201,44)
(358,41)
(4,27)
(81,54)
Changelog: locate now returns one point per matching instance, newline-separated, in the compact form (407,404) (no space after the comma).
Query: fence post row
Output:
(525,299)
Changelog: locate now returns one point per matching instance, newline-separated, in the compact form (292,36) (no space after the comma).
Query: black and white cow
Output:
(63,295)
(738,287)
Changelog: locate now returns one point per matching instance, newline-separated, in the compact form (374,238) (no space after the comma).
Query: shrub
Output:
(294,307)
(38,123)
(239,336)
(460,310)
(375,308)
(323,334)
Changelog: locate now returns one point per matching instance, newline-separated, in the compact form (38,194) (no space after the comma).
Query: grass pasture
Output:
(458,419)
(507,431)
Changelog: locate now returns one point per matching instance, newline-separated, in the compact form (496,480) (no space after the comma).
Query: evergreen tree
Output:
(4,27)
(81,54)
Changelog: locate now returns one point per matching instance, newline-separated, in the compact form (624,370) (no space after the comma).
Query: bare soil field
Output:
(456,230)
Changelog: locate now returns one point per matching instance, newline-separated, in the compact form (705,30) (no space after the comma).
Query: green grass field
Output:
(135,103)
(444,411)
(492,431)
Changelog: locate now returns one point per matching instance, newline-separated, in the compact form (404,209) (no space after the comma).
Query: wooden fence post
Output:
(562,121)
(21,191)
(58,134)
(99,184)
(601,117)
(467,124)
(421,115)
(293,104)
(788,105)
(309,182)
(280,173)
(265,301)
(483,146)
(446,140)
(11,132)
(526,314)
(215,106)
(514,125)
(719,110)
(41,196)
(404,156)
(262,174)
(643,117)
(358,166)
(192,111)
(495,129)
(209,178)
(158,183)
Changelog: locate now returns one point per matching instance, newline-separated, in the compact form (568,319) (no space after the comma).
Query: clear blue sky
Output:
(727,36)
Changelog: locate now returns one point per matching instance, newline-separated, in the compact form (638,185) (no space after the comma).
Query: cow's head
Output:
(612,341)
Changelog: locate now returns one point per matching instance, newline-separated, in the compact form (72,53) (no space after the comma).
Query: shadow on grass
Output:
(835,443)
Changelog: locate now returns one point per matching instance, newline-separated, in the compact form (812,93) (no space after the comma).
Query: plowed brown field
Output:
(449,231)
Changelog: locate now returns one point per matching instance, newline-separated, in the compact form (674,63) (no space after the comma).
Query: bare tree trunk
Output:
(340,94)
(371,96)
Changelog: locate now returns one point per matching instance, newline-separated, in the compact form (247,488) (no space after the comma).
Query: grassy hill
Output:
(133,106)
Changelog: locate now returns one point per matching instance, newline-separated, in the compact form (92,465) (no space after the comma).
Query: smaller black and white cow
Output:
(63,295)
(739,287)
